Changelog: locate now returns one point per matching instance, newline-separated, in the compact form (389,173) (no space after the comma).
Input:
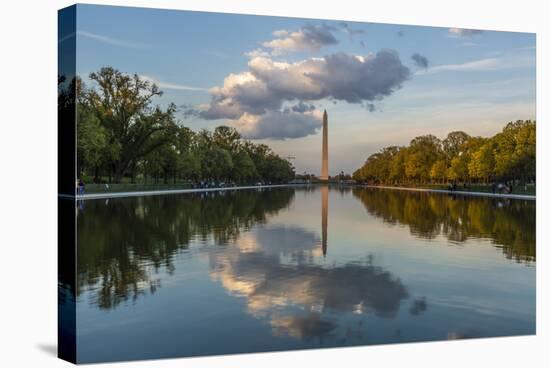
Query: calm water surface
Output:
(295,268)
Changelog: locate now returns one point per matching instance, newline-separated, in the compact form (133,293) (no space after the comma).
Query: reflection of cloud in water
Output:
(303,327)
(286,240)
(257,270)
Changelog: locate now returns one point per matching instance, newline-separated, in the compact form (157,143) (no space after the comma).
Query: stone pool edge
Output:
(459,192)
(202,190)
(170,191)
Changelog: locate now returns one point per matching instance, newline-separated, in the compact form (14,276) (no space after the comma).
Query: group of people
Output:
(502,188)
(453,187)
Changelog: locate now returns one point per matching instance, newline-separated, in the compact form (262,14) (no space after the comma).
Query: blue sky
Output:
(271,77)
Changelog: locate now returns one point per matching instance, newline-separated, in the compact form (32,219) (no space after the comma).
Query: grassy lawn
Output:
(129,187)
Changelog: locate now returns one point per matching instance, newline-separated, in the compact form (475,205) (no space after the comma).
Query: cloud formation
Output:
(279,125)
(462,32)
(257,53)
(307,38)
(476,65)
(174,86)
(301,107)
(111,40)
(273,99)
(420,60)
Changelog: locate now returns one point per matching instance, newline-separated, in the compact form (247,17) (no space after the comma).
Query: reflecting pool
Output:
(296,268)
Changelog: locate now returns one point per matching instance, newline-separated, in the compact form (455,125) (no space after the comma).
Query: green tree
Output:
(515,150)
(452,144)
(216,163)
(525,151)
(397,165)
(439,170)
(92,149)
(459,157)
(279,170)
(423,152)
(244,168)
(227,138)
(482,163)
(123,105)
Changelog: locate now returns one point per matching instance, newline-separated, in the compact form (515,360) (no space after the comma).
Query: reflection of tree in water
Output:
(419,306)
(122,243)
(275,285)
(510,224)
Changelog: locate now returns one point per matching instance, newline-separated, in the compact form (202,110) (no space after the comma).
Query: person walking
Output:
(81,186)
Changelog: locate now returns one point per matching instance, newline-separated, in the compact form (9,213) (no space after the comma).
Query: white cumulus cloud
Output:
(273,99)
(307,38)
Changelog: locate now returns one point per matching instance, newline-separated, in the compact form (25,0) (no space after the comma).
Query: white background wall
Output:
(28,76)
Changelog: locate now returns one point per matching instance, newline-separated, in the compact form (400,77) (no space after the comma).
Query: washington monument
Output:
(324,167)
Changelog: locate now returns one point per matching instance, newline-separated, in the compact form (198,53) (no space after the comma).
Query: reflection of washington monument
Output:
(324,217)
(324,189)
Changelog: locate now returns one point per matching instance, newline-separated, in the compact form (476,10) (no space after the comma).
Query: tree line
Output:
(121,133)
(508,155)
(128,270)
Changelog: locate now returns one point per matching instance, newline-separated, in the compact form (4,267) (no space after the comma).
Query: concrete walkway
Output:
(172,191)
(459,192)
(200,190)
